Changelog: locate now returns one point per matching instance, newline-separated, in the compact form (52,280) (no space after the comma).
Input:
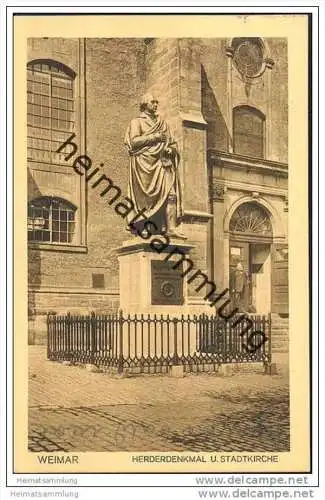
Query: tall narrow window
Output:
(249,124)
(50,220)
(50,107)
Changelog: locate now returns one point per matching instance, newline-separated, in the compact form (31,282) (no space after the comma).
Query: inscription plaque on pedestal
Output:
(166,283)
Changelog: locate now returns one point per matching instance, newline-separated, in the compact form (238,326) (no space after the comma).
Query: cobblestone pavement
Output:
(72,409)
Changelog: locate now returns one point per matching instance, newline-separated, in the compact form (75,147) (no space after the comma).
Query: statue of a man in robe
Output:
(154,185)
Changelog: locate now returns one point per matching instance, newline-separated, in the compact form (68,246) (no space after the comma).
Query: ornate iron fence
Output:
(152,343)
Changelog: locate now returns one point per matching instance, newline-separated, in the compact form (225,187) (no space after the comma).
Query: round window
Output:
(248,58)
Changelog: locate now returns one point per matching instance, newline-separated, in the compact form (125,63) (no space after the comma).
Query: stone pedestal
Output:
(151,282)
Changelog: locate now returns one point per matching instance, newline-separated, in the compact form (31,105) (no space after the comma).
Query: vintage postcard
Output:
(161,294)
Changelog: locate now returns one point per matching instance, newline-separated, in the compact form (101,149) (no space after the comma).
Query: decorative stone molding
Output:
(282,253)
(239,162)
(71,290)
(193,119)
(218,190)
(286,204)
(269,63)
(230,51)
(262,190)
(194,216)
(52,247)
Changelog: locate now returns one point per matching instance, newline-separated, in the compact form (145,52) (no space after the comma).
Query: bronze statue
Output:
(154,185)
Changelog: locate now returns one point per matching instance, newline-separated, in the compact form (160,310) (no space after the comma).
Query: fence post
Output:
(67,333)
(175,357)
(120,342)
(48,336)
(270,337)
(93,325)
(270,367)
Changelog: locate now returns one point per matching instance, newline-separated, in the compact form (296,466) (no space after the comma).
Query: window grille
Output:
(50,220)
(50,107)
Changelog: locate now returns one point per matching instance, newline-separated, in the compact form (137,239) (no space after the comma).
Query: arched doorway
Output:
(250,258)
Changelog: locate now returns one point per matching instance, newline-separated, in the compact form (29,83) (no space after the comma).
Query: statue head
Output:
(149,103)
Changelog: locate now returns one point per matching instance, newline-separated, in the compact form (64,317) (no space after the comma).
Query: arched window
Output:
(251,219)
(50,106)
(248,132)
(51,220)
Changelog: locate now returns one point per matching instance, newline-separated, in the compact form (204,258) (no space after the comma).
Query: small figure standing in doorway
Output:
(238,287)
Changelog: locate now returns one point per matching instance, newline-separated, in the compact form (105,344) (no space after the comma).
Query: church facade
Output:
(226,103)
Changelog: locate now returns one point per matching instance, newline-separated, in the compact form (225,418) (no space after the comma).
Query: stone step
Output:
(280,345)
(281,340)
(279,322)
(277,316)
(280,337)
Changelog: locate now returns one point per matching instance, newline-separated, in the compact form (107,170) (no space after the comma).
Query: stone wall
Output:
(114,80)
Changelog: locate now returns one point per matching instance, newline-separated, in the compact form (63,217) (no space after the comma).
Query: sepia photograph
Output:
(162,230)
(158,244)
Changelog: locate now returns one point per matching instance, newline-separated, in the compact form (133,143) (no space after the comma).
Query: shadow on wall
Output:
(218,135)
(34,271)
